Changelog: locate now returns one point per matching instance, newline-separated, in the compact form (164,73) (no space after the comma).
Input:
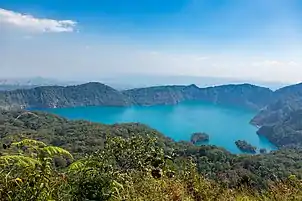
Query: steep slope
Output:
(97,94)
(280,121)
(287,132)
(90,94)
(285,101)
(161,95)
(243,95)
(79,137)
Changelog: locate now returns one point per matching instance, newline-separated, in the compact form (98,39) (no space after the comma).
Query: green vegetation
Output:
(280,121)
(198,138)
(89,140)
(27,172)
(241,95)
(46,157)
(96,94)
(286,100)
(276,108)
(89,94)
(287,132)
(124,169)
(244,146)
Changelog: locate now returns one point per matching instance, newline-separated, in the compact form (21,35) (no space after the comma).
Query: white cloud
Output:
(33,24)
(89,57)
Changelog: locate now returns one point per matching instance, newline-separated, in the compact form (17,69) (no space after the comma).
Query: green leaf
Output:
(52,151)
(22,161)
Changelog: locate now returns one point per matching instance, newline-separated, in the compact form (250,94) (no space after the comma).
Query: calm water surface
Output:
(224,125)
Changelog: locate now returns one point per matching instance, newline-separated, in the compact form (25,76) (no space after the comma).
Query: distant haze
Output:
(137,81)
(250,40)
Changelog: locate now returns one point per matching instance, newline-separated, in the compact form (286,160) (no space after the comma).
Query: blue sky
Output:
(246,39)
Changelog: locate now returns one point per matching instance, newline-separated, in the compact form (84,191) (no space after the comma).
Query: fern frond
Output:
(52,151)
(22,161)
(77,165)
(29,142)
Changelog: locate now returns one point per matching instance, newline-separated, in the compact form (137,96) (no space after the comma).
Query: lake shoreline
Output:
(178,121)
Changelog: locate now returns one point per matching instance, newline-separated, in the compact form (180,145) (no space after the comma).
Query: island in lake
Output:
(245,146)
(198,138)
(263,151)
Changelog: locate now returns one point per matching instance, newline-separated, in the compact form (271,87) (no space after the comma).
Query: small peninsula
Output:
(198,138)
(244,146)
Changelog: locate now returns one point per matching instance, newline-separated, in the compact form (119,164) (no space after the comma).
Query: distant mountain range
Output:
(124,82)
(97,94)
(27,83)
(276,109)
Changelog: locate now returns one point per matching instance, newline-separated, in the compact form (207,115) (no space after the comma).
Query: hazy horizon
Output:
(254,40)
(137,81)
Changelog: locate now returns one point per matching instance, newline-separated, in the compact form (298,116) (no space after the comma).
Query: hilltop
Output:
(97,94)
(273,107)
(89,94)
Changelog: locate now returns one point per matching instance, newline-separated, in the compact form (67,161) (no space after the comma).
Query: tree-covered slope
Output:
(285,101)
(83,137)
(97,94)
(280,121)
(79,137)
(286,132)
(89,94)
(243,95)
(135,168)
(161,95)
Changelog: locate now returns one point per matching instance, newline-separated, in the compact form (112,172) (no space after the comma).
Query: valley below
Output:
(252,139)
(224,124)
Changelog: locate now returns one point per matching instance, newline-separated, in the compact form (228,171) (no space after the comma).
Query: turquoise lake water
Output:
(224,125)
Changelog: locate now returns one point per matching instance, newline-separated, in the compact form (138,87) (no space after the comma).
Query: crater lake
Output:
(223,124)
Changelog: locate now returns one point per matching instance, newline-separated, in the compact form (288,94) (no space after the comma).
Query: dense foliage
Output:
(280,121)
(198,138)
(125,169)
(95,94)
(286,100)
(78,137)
(241,95)
(275,107)
(89,94)
(46,157)
(287,132)
(81,138)
(244,146)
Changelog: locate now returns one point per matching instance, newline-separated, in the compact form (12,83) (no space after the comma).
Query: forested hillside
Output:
(97,94)
(286,100)
(286,132)
(83,137)
(89,94)
(274,107)
(241,95)
(79,160)
(280,121)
